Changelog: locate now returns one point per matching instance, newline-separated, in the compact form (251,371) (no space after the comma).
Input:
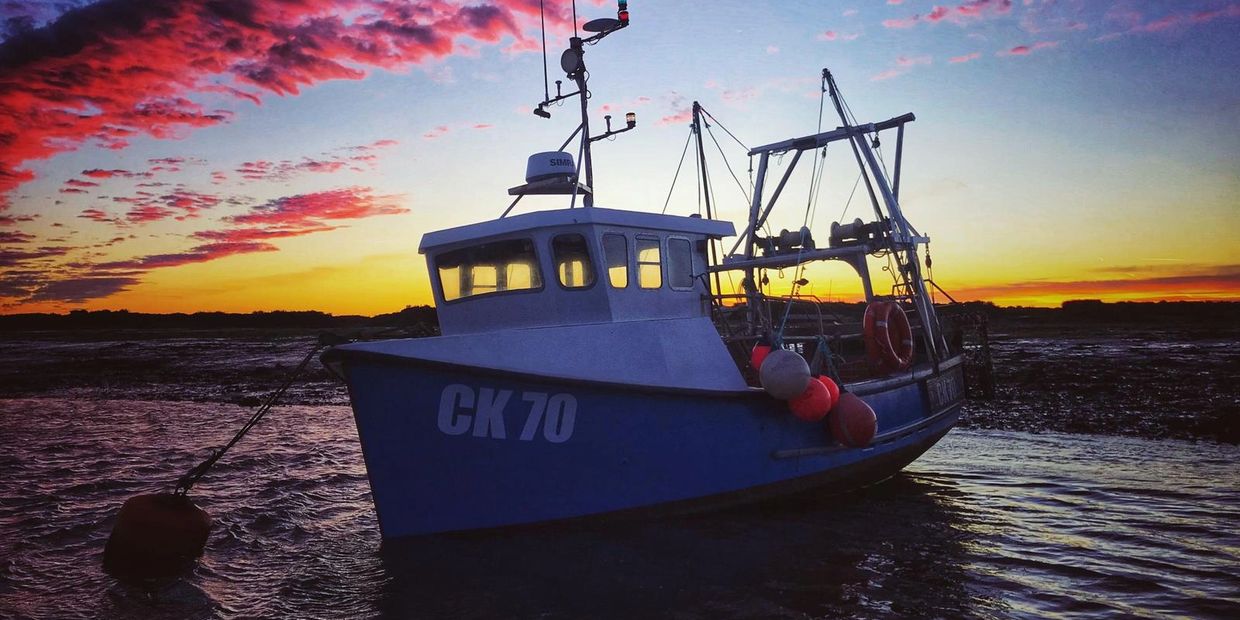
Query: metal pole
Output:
(697,130)
(895,183)
(580,78)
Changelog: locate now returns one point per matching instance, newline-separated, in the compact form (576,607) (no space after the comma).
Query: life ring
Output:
(888,336)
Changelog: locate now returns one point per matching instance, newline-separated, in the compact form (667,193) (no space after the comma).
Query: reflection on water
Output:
(988,524)
(892,548)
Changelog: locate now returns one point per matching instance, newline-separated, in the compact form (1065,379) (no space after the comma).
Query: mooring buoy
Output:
(155,535)
(162,534)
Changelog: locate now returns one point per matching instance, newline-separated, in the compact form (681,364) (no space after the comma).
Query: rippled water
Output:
(987,524)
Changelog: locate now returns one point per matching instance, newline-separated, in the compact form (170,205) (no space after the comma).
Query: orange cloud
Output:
(1219,283)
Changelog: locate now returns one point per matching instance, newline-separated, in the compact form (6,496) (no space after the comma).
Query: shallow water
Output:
(987,524)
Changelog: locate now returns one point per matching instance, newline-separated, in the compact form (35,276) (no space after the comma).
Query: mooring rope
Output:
(184,483)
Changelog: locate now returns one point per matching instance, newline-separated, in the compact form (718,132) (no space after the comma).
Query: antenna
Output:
(572,62)
(542,21)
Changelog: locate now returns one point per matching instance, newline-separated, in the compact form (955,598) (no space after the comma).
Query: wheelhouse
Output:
(565,267)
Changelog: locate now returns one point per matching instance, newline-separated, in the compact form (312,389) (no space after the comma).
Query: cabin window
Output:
(616,253)
(572,261)
(679,263)
(649,268)
(488,268)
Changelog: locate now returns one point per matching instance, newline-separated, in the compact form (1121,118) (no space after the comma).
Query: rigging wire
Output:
(543,23)
(816,191)
(850,197)
(677,175)
(739,185)
(738,140)
(822,100)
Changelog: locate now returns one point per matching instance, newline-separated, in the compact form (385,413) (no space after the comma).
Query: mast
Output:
(697,131)
(572,61)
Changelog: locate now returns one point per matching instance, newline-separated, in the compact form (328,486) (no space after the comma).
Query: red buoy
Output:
(852,421)
(831,387)
(813,404)
(156,535)
(758,354)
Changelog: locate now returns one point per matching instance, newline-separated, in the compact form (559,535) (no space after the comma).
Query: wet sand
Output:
(1137,380)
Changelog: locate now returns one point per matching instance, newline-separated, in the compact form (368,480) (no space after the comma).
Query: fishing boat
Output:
(591,364)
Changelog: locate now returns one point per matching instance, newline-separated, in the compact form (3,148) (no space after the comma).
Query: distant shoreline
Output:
(1076,311)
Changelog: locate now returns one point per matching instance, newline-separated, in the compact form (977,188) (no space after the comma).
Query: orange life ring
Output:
(888,336)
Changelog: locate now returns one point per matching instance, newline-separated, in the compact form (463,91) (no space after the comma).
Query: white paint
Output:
(538,405)
(489,421)
(561,418)
(461,409)
(451,421)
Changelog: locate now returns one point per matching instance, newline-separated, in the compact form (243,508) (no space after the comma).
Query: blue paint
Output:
(626,448)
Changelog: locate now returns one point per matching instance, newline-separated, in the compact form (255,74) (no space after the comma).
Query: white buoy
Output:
(784,374)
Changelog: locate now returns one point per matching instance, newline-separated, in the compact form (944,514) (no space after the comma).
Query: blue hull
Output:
(449,448)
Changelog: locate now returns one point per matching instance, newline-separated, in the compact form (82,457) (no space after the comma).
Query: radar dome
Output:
(549,165)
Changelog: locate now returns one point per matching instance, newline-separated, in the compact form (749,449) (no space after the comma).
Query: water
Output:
(990,523)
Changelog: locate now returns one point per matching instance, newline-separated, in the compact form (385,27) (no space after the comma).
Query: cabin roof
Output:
(566,217)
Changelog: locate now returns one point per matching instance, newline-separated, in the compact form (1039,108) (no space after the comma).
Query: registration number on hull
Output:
(481,413)
(945,389)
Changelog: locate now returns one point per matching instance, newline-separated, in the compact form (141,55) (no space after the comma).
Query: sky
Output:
(237,155)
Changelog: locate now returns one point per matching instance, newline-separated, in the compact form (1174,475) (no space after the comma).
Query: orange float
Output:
(758,355)
(832,388)
(813,404)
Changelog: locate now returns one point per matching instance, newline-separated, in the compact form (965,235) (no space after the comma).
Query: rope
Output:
(824,354)
(184,483)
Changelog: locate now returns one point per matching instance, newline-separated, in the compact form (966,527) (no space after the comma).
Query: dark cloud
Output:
(78,290)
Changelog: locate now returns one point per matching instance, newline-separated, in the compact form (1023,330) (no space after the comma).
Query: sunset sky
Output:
(240,155)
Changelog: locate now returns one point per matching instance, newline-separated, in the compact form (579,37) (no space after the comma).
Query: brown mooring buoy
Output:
(156,535)
(161,534)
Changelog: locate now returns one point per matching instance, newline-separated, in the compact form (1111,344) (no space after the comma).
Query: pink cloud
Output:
(105,73)
(1132,22)
(1025,50)
(961,14)
(903,64)
(284,170)
(886,75)
(832,35)
(965,58)
(905,22)
(436,132)
(677,118)
(315,208)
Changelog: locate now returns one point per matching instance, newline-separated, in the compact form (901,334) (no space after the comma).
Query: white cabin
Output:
(570,267)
